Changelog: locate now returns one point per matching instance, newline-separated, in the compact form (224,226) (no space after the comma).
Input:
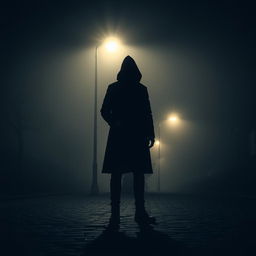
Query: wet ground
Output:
(76,225)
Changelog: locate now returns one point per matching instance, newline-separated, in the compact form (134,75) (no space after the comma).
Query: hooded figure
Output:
(126,108)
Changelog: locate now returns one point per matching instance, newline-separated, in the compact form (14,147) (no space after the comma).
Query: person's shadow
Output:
(147,242)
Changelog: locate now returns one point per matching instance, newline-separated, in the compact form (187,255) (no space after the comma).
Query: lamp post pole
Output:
(173,119)
(94,187)
(159,159)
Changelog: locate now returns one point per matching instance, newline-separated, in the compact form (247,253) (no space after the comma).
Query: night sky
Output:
(197,58)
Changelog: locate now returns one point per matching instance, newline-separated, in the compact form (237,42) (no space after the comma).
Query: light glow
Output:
(157,142)
(173,118)
(111,44)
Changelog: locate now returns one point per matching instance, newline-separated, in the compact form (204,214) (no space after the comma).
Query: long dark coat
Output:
(126,108)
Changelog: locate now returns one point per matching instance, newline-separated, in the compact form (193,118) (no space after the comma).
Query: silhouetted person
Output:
(126,108)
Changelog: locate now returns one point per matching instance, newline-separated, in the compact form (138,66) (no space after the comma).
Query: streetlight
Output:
(157,143)
(173,119)
(111,45)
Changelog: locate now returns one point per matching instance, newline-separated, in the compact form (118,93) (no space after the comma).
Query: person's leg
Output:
(115,194)
(115,188)
(141,215)
(138,188)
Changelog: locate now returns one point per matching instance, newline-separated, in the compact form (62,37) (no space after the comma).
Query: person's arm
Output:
(150,123)
(106,109)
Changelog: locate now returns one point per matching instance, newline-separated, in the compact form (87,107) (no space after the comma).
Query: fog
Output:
(49,92)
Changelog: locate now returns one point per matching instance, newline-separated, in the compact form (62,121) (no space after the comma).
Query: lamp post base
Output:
(94,189)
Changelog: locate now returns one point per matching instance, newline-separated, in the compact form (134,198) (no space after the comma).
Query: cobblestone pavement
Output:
(69,225)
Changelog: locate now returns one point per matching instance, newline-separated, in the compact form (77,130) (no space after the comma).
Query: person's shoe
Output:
(144,219)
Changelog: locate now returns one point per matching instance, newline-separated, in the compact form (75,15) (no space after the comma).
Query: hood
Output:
(129,71)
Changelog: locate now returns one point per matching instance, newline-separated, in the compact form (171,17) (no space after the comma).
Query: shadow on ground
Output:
(147,242)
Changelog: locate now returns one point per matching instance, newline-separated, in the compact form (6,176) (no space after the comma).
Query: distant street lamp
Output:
(173,119)
(111,44)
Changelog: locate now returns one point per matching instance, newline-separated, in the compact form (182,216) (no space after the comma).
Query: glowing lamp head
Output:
(157,142)
(173,119)
(111,44)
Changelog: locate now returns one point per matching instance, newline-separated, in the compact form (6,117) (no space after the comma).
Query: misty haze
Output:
(197,63)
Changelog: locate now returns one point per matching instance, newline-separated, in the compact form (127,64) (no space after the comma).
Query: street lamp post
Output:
(159,158)
(111,45)
(173,119)
(95,187)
